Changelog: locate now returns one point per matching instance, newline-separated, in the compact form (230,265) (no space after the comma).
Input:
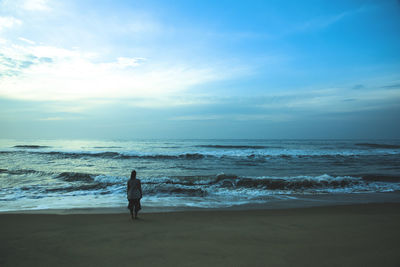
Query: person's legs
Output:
(130,207)
(137,207)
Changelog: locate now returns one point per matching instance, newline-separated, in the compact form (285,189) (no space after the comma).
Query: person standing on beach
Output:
(134,194)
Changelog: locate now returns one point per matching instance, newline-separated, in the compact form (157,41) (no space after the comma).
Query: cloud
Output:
(132,55)
(333,100)
(290,105)
(52,119)
(36,5)
(26,40)
(125,62)
(321,22)
(278,117)
(358,87)
(25,8)
(265,117)
(14,64)
(48,73)
(392,86)
(62,117)
(197,118)
(9,22)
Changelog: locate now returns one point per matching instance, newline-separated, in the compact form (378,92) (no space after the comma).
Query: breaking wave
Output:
(266,185)
(106,147)
(206,185)
(117,155)
(76,177)
(19,172)
(232,146)
(30,146)
(371,145)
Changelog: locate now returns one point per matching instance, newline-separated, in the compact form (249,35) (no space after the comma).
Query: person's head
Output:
(133,174)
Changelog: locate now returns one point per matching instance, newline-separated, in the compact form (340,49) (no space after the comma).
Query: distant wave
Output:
(90,177)
(380,177)
(299,183)
(175,191)
(76,176)
(232,146)
(83,154)
(118,155)
(30,146)
(238,154)
(18,172)
(371,145)
(81,187)
(105,147)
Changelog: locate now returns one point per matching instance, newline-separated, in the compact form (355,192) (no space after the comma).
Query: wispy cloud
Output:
(9,22)
(14,64)
(392,86)
(276,117)
(26,40)
(36,5)
(197,118)
(26,6)
(53,119)
(321,22)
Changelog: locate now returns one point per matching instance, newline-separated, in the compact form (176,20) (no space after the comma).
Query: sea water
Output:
(63,174)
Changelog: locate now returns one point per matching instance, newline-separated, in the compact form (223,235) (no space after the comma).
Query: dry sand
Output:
(352,235)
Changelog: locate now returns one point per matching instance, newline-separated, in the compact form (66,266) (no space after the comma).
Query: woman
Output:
(134,192)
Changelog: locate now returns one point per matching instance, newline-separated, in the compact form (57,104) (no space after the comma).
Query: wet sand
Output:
(348,235)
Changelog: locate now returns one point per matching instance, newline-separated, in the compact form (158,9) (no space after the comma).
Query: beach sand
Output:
(348,235)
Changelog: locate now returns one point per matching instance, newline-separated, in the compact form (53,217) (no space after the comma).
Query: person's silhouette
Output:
(134,194)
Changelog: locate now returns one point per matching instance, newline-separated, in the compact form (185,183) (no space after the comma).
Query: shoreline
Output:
(298,202)
(343,235)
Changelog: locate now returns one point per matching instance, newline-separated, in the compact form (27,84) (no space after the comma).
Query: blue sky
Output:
(199,69)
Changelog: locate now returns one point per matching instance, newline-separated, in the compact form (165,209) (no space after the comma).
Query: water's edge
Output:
(298,202)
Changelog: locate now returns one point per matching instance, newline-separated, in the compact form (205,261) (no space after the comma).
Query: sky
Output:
(199,69)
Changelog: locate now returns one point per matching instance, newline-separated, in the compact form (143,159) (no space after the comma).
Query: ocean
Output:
(70,174)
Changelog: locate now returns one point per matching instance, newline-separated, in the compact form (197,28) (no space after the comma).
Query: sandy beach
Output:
(350,235)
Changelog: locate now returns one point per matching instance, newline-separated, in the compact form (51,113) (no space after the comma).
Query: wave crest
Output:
(30,146)
(233,146)
(372,145)
(76,177)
